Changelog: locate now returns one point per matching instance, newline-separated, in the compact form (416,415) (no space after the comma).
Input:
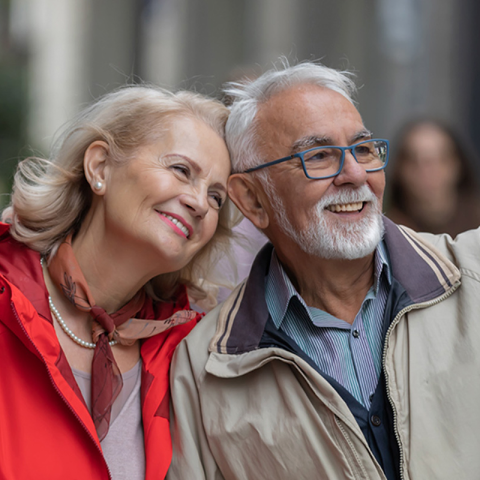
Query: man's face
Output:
(337,217)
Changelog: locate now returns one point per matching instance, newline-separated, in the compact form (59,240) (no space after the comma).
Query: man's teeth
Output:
(347,207)
(178,223)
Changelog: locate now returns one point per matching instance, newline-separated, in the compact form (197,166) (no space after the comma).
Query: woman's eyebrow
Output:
(192,162)
(198,169)
(219,186)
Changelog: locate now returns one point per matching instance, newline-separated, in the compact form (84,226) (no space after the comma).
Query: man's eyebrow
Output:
(362,135)
(309,142)
(312,141)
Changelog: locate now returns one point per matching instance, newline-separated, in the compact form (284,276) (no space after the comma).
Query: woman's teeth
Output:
(178,223)
(347,207)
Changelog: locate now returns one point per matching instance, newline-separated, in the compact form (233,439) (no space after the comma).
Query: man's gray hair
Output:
(241,128)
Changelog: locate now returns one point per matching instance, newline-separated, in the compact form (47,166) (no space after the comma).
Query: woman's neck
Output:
(113,270)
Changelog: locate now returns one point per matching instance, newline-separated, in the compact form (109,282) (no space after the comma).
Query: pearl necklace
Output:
(67,330)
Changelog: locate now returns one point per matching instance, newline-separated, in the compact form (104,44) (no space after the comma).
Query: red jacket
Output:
(46,431)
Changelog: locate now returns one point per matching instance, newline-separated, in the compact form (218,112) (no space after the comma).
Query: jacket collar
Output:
(20,265)
(418,266)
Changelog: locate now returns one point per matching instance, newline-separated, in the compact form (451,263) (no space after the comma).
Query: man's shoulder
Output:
(205,329)
(463,250)
(213,329)
(193,352)
(469,237)
(214,323)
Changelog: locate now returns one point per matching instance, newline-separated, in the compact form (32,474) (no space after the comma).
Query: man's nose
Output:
(352,172)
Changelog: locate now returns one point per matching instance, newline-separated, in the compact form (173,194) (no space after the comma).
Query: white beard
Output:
(336,239)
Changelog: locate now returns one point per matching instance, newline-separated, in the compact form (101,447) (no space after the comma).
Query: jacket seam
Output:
(352,452)
(470,274)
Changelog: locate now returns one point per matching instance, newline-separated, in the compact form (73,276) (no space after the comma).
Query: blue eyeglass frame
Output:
(342,160)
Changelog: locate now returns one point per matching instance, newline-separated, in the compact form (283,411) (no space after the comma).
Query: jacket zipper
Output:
(396,320)
(58,390)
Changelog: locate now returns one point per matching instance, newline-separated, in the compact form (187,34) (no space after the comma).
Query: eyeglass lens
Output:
(325,161)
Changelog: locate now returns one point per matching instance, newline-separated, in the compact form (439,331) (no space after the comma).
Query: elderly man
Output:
(352,349)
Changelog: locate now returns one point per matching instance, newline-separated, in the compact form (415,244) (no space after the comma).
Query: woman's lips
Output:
(177,223)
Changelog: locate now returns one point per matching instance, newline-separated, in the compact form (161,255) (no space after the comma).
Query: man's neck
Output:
(336,286)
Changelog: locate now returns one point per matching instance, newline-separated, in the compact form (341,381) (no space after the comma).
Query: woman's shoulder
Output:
(163,309)
(16,258)
(4,231)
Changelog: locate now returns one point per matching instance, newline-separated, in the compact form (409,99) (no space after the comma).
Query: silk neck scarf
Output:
(120,326)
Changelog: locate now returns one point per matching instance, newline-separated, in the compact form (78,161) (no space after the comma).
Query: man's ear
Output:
(94,165)
(249,197)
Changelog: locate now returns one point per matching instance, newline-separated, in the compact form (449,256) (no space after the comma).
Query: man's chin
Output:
(342,240)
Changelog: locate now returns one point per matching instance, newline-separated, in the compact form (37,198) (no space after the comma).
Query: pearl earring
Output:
(98,185)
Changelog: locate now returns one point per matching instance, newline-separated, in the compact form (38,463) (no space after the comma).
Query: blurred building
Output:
(411,56)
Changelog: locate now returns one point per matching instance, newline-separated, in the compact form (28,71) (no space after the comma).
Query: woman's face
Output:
(430,165)
(165,202)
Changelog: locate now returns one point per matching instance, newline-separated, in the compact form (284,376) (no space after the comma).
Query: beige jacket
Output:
(244,410)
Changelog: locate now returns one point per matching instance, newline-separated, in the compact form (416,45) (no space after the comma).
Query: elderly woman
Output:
(100,246)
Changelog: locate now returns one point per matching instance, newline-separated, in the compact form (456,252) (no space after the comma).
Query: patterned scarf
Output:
(120,326)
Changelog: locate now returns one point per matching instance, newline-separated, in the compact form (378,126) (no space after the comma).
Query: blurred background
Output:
(411,57)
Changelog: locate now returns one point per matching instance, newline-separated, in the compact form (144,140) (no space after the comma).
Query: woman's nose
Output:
(197,203)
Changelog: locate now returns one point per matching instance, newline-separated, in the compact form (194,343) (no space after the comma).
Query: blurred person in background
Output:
(101,245)
(433,186)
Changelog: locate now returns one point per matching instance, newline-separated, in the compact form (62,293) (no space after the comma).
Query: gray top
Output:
(123,447)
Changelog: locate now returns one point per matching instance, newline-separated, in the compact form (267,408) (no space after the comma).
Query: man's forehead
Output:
(301,111)
(296,96)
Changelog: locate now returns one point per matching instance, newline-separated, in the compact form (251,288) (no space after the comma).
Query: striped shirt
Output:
(350,354)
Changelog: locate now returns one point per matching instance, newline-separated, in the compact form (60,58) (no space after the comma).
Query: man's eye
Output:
(363,150)
(320,155)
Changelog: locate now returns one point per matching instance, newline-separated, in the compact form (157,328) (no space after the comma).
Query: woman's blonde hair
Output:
(50,198)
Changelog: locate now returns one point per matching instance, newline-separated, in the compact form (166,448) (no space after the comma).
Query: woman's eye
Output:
(217,200)
(182,169)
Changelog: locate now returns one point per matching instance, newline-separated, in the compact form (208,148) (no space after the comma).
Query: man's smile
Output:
(345,207)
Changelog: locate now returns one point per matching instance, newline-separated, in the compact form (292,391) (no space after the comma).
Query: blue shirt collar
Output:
(279,290)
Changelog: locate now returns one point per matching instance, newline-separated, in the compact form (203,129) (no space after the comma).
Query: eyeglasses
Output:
(326,162)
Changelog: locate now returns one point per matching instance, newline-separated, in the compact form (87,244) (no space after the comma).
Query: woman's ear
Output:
(95,166)
(249,197)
